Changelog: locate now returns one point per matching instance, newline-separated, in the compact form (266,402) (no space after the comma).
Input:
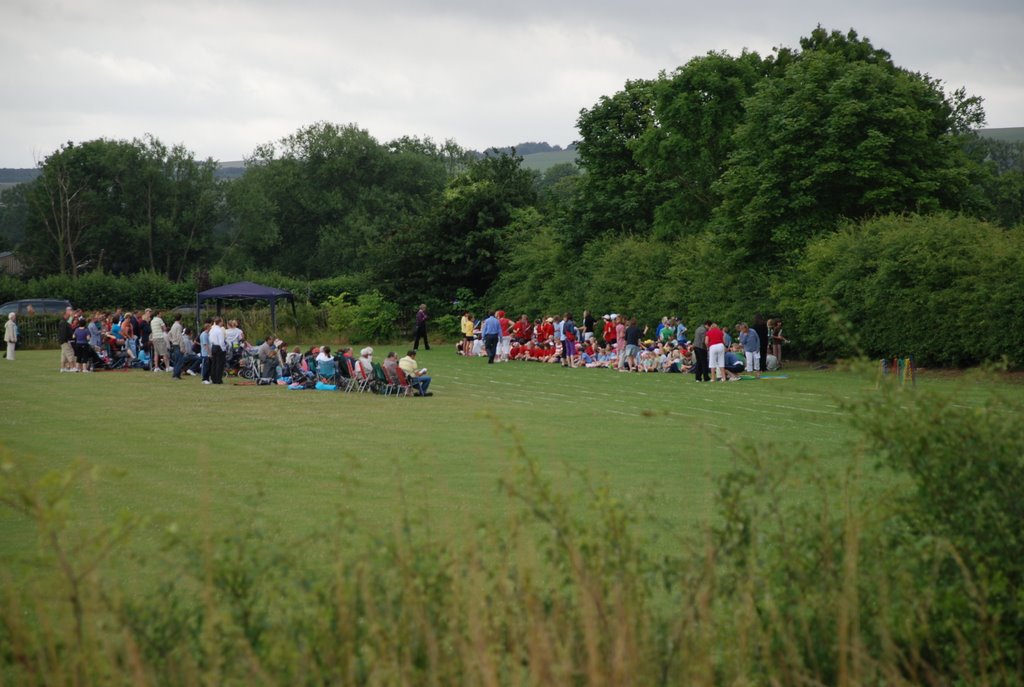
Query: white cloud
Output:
(223,77)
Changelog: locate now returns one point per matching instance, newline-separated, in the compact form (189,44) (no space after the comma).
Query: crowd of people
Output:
(620,343)
(144,340)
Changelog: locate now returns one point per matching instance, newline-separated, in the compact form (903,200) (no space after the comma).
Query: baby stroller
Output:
(248,364)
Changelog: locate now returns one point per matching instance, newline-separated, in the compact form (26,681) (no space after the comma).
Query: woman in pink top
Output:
(715,339)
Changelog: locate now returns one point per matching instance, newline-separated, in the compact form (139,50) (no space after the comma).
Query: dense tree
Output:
(697,108)
(619,192)
(122,206)
(315,202)
(460,242)
(841,133)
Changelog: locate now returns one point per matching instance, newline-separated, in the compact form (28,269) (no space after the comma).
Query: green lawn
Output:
(165,448)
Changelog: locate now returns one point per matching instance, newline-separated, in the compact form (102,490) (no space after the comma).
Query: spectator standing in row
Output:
(715,340)
(11,334)
(158,337)
(421,328)
(66,336)
(700,352)
(761,328)
(588,326)
(468,337)
(204,351)
(491,333)
(218,351)
(751,343)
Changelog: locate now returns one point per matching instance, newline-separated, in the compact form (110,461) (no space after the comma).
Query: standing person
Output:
(204,350)
(761,327)
(468,337)
(158,337)
(569,336)
(174,339)
(588,326)
(700,352)
(506,335)
(633,334)
(66,335)
(491,333)
(218,351)
(144,330)
(421,328)
(751,343)
(777,340)
(11,335)
(83,352)
(609,331)
(620,339)
(715,340)
(128,334)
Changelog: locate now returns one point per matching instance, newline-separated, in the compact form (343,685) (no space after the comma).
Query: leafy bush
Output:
(943,288)
(372,318)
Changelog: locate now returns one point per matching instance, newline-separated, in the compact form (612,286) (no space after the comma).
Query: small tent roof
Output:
(244,289)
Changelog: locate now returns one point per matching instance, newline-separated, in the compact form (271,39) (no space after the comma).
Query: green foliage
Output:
(838,135)
(959,522)
(371,318)
(122,206)
(618,192)
(697,109)
(944,288)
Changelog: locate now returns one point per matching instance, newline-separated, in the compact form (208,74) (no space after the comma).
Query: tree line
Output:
(708,191)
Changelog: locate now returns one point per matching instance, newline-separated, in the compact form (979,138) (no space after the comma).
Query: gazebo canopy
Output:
(245,290)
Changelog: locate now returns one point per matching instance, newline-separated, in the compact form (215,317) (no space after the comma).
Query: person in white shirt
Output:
(158,339)
(218,349)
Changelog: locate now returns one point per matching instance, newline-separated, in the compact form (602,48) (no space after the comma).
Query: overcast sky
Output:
(222,77)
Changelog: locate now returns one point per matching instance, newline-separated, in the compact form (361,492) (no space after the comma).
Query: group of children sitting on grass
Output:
(623,345)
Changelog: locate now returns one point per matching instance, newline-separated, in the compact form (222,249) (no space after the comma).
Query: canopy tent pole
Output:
(273,316)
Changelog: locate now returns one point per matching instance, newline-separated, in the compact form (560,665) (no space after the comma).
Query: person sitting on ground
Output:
(186,359)
(417,377)
(734,362)
(269,354)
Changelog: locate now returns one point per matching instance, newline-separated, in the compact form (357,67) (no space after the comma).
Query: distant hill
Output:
(542,162)
(1013,134)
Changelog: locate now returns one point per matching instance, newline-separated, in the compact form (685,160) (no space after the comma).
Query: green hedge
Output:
(943,288)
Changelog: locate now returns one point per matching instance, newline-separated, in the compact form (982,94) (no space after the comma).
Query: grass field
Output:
(165,448)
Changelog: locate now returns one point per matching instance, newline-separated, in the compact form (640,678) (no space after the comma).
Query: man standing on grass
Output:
(491,333)
(218,351)
(158,337)
(700,352)
(421,328)
(66,334)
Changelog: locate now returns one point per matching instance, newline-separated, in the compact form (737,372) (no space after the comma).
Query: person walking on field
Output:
(11,335)
(421,328)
